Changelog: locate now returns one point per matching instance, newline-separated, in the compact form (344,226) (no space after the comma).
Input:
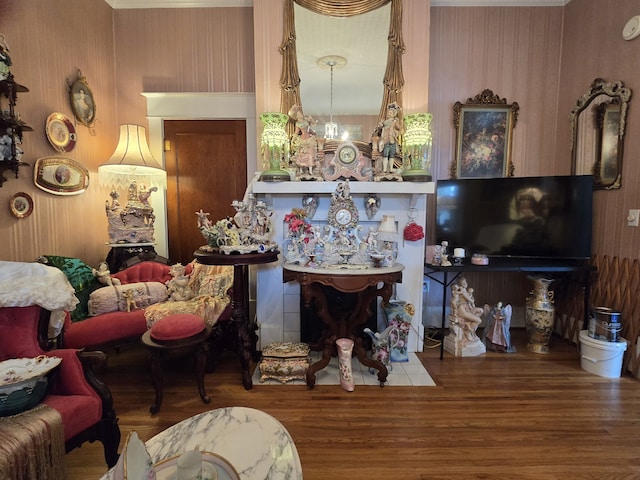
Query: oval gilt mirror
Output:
(597,133)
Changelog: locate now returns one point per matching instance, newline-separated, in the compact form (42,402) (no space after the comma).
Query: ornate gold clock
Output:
(342,214)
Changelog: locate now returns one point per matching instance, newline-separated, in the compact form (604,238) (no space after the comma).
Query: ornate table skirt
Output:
(32,445)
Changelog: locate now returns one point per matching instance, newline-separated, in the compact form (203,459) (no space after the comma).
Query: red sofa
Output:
(115,327)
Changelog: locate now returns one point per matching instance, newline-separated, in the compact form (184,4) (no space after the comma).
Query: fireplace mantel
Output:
(278,303)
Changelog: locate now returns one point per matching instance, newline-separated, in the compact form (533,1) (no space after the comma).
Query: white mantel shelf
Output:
(398,188)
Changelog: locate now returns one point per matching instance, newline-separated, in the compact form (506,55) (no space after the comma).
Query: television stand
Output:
(500,264)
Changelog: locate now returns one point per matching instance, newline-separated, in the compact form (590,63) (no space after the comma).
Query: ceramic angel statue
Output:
(103,275)
(497,336)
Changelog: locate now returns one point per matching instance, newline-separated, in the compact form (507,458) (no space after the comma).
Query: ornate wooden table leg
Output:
(239,315)
(201,363)
(157,377)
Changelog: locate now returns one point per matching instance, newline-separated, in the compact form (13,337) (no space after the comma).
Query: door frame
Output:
(196,106)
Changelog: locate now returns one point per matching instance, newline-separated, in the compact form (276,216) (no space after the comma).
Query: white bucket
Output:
(601,357)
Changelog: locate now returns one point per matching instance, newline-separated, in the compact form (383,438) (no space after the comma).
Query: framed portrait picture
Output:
(484,127)
(60,175)
(21,205)
(82,101)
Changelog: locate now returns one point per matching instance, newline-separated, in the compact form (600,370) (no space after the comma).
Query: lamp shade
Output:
(388,231)
(132,161)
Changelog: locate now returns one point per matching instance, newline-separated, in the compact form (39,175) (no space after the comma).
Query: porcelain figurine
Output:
(134,222)
(178,288)
(304,145)
(103,275)
(496,335)
(385,142)
(464,319)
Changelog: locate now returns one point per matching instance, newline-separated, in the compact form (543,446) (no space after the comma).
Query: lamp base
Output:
(275,176)
(416,176)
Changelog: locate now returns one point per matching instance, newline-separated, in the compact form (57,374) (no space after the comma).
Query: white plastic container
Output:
(601,357)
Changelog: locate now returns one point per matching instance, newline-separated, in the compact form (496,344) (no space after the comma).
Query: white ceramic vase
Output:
(345,351)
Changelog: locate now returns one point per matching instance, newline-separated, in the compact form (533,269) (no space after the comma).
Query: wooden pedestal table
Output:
(364,283)
(246,338)
(159,350)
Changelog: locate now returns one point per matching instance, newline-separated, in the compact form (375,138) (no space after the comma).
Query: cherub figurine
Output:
(103,275)
(128,296)
(178,287)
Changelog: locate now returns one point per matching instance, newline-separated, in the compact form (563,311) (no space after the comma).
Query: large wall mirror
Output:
(597,132)
(342,62)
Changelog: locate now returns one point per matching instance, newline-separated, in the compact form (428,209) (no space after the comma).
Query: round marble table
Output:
(254,442)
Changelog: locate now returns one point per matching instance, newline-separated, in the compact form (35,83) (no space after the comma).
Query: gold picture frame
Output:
(82,102)
(484,129)
(60,175)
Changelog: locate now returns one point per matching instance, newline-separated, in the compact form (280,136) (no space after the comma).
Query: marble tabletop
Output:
(254,442)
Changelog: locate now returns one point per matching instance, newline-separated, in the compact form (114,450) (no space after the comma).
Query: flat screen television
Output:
(544,218)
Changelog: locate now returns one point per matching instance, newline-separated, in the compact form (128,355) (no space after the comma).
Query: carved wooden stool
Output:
(173,333)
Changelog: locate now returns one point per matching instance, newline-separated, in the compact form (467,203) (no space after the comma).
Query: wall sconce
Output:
(132,161)
(275,147)
(417,147)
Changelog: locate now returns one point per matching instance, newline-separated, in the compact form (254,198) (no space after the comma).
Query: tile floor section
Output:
(410,373)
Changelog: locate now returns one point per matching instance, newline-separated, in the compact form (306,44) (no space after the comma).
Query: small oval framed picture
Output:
(82,102)
(21,205)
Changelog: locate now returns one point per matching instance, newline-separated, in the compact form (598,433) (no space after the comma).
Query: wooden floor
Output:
(502,416)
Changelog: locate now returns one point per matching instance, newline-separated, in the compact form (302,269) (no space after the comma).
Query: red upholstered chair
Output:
(84,402)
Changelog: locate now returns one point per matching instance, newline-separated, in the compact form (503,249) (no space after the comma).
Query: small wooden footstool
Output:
(173,333)
(284,361)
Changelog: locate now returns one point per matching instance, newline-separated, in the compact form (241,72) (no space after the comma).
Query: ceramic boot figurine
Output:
(345,350)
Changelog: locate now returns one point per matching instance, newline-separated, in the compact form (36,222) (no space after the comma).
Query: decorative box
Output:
(284,361)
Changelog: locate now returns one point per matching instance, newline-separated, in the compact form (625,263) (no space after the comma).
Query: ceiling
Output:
(117,4)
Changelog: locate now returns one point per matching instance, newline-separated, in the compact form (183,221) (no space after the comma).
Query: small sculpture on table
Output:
(134,222)
(178,288)
(464,320)
(246,232)
(385,142)
(305,147)
(496,335)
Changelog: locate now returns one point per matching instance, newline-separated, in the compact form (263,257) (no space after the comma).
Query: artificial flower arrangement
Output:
(298,225)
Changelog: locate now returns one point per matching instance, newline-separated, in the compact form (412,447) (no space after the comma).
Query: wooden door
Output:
(206,162)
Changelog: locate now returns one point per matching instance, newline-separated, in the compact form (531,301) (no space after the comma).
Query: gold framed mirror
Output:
(393,81)
(597,133)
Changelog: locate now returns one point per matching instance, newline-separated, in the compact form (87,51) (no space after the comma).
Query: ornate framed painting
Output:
(60,175)
(21,205)
(82,102)
(484,128)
